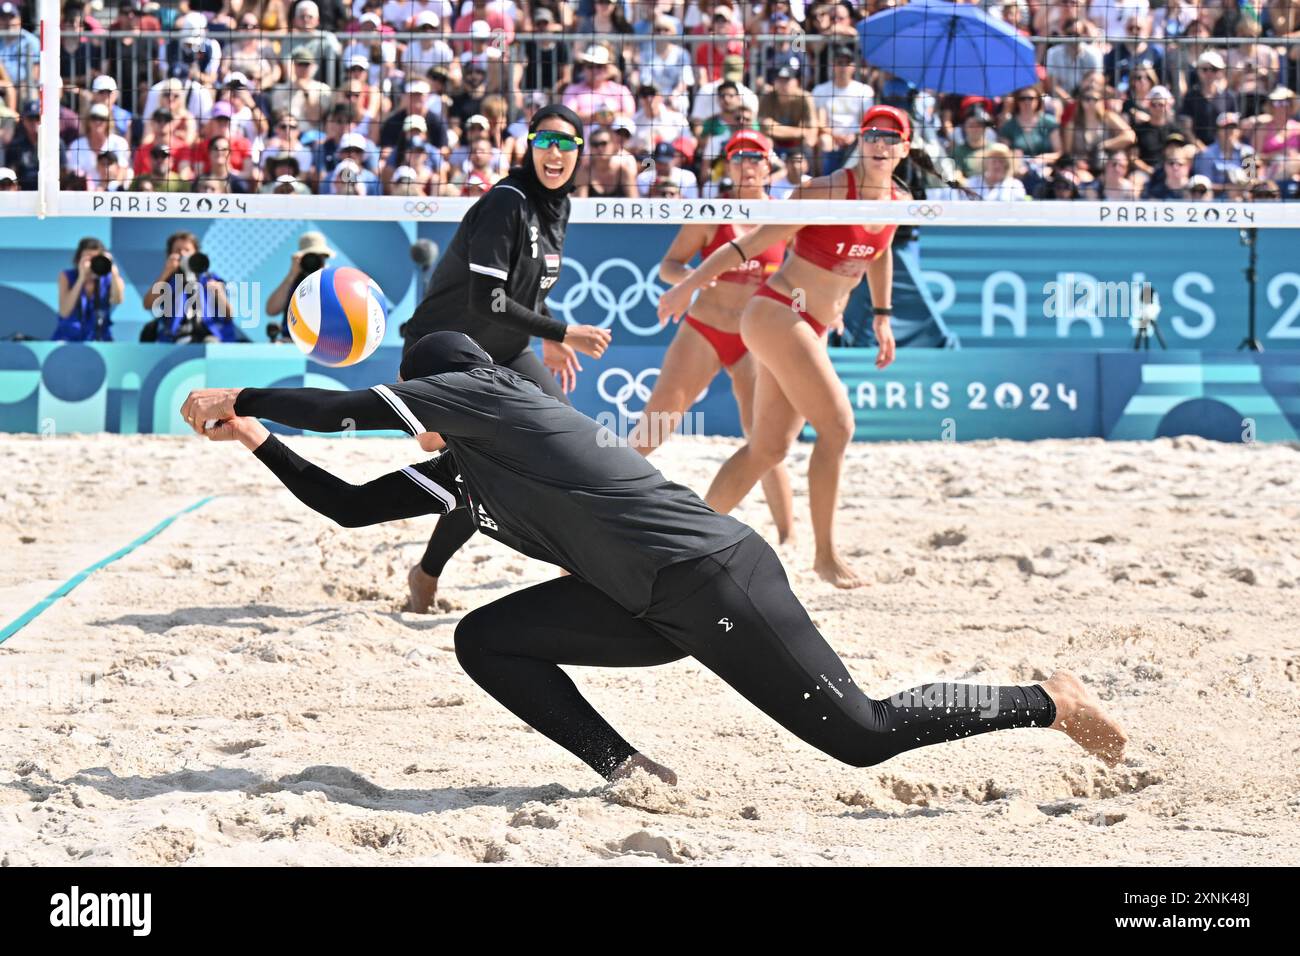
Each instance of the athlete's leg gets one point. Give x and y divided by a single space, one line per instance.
688 366
796 357
775 426
747 626
454 529
513 648
776 480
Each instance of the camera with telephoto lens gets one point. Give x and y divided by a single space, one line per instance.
101 265
311 262
196 264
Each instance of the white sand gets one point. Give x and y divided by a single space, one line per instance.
244 689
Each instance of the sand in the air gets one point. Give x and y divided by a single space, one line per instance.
245 690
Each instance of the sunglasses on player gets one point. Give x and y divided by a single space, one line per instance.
747 156
890 137
545 139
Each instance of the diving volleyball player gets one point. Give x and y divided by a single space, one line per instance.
655 574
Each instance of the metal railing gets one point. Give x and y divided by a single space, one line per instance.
142 59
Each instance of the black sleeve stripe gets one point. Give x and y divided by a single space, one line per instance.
432 487
413 424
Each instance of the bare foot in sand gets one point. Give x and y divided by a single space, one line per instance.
830 568
424 588
641 762
1081 715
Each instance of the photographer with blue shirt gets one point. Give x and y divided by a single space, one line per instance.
188 301
87 294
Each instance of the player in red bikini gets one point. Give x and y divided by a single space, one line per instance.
786 322
709 338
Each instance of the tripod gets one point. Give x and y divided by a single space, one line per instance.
1146 314
1142 340
1249 238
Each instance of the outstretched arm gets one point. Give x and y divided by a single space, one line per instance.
458 404
314 409
413 491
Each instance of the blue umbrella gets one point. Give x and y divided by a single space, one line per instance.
949 48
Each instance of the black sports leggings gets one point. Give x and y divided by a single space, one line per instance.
457 527
735 613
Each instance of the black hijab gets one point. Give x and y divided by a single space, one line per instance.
551 204
440 352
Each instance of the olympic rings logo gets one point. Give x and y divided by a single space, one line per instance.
925 210
642 286
421 208
631 387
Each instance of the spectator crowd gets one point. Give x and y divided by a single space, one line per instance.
1135 99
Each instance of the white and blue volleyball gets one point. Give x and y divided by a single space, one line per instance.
337 316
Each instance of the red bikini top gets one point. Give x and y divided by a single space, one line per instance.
844 250
753 272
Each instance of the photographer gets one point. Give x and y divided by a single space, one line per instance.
188 300
87 294
310 257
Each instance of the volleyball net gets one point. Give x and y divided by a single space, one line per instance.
1055 114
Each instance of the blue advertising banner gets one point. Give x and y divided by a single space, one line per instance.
1006 288
1074 288
926 395
955 396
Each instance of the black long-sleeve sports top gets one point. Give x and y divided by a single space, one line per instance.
537 474
428 487
492 281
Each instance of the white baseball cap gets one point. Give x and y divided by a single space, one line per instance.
427 18
415 121
404 173
480 29
103 84
357 60
352 141
192 22
7 173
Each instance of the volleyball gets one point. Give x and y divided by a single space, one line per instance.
337 316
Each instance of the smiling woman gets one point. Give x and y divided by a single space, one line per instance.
492 285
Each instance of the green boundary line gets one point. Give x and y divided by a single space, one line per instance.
16 625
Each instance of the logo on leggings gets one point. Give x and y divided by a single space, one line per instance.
726 624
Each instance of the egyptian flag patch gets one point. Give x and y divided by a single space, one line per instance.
552 264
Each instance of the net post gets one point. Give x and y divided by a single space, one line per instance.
47 173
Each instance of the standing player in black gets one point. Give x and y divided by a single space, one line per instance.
656 574
492 284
